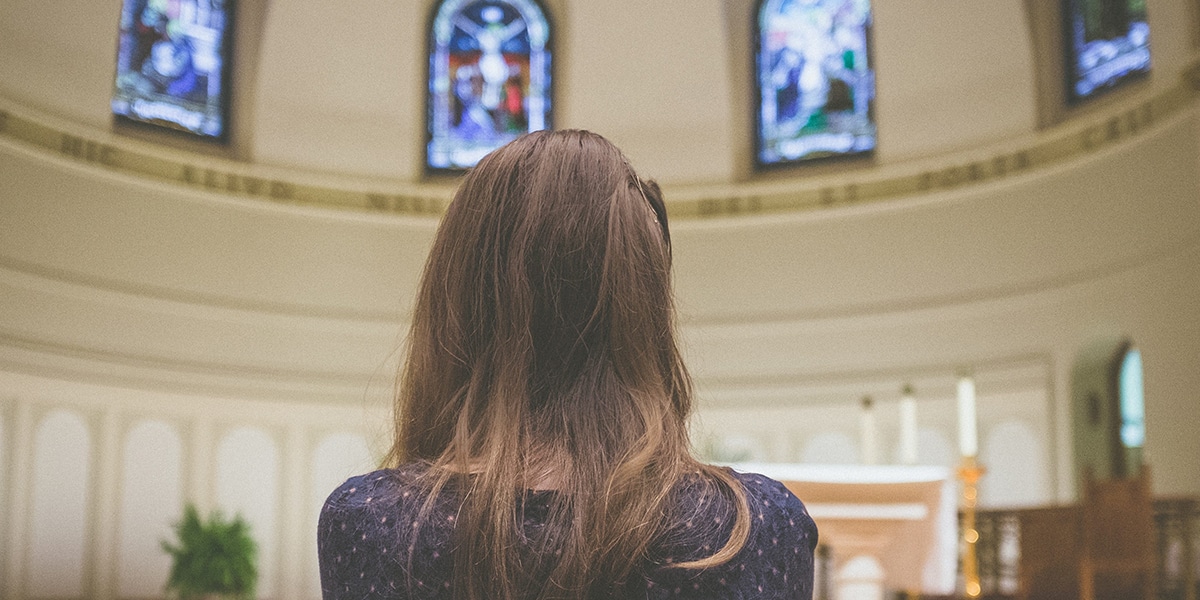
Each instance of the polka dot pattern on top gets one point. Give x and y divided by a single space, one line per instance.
372 545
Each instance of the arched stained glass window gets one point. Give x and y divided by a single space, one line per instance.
173 61
815 81
1108 43
489 78
1132 400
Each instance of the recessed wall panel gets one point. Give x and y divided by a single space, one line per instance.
59 516
151 502
336 457
247 481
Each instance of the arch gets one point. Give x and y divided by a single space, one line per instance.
934 448
1132 401
1016 461
1107 409
62 453
738 447
247 484
860 577
151 500
6 473
830 448
814 80
335 458
488 79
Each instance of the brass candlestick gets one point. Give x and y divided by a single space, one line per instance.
969 473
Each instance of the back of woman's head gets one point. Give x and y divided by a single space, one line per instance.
542 354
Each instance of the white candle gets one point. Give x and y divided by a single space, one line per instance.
908 428
867 422
968 435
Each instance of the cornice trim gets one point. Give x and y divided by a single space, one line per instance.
247 180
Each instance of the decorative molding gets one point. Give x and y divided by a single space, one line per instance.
1072 140
944 300
998 374
182 365
89 281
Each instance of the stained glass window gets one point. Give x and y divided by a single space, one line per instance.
815 81
172 65
1108 42
489 78
1133 406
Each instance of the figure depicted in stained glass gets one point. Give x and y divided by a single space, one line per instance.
815 84
1108 42
489 78
171 64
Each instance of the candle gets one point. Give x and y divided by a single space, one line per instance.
867 422
968 435
908 427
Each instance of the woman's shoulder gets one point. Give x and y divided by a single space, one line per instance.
777 516
770 494
777 513
384 486
366 524
776 560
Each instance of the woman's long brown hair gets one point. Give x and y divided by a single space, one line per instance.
543 354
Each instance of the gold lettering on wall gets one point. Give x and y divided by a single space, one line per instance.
251 185
952 176
827 196
281 190
86 150
851 193
709 207
924 181
399 203
1000 166
1132 119
70 145
1113 129
1191 76
232 183
1021 160
1093 133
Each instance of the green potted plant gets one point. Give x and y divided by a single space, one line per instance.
213 558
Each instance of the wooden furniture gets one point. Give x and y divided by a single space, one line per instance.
1100 549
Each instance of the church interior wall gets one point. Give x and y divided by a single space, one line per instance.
171 316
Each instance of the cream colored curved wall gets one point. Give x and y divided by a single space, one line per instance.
335 90
120 279
124 298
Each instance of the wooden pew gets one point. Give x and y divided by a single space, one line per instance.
1101 549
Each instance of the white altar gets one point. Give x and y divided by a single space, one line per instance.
890 527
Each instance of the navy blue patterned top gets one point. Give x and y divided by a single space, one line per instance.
367 527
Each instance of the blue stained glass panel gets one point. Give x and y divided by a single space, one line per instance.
489 78
816 85
1133 403
172 65
1108 42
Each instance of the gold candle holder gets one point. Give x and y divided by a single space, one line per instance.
969 473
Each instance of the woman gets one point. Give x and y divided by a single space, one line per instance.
541 447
